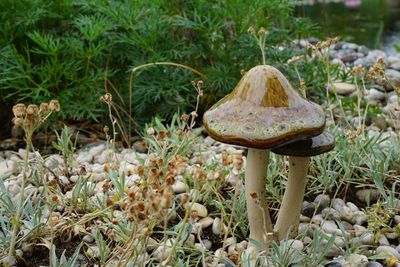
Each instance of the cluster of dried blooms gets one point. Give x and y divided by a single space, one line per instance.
261 32
296 59
377 71
31 116
107 98
321 46
150 200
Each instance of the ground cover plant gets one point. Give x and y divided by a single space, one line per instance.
176 197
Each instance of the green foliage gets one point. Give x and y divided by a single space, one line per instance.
76 50
63 261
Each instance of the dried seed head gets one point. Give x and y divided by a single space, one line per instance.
262 31
106 187
185 198
151 131
54 105
44 108
111 234
110 202
53 183
162 134
251 30
106 98
19 110
18 121
296 59
32 110
106 167
184 117
106 129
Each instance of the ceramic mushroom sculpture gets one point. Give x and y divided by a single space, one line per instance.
299 156
261 113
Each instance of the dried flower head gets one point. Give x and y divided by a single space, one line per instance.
107 98
296 59
32 110
106 129
358 70
262 31
377 71
184 117
44 108
18 121
54 105
19 110
54 198
151 131
251 30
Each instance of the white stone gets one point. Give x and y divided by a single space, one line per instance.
96 150
88 239
330 214
74 178
217 226
162 252
367 238
22 154
93 251
64 180
342 88
383 241
346 214
53 162
352 206
295 244
7 168
337 203
360 217
393 76
374 94
206 222
207 243
132 180
179 187
322 200
196 228
329 227
389 251
357 260
84 157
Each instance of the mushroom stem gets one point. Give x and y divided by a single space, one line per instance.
256 195
289 213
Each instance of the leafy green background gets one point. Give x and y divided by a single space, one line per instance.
73 50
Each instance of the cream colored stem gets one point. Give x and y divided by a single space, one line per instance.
256 196
289 213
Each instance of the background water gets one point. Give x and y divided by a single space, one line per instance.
374 23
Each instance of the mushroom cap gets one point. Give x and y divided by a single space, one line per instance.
308 147
263 111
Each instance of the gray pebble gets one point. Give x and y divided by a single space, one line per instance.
373 264
322 200
388 251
